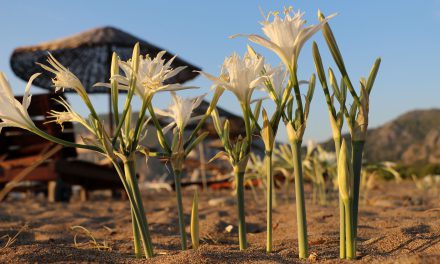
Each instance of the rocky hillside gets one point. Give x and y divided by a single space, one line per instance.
411 138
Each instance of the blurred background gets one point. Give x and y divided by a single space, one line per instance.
403 33
404 108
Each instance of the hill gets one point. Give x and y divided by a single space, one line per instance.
412 138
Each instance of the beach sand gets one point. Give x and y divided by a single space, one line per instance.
399 224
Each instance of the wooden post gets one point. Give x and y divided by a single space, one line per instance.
83 195
51 189
203 166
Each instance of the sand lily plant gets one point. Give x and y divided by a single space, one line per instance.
336 123
345 180
356 116
239 76
286 37
180 112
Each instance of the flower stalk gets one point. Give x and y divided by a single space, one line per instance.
285 37
336 122
301 219
345 180
295 131
239 178
140 225
180 112
268 139
177 182
239 76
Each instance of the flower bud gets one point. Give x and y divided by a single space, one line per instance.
267 133
344 175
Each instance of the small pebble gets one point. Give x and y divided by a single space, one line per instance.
229 228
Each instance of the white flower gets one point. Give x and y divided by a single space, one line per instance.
63 77
67 116
152 75
311 146
278 78
325 157
180 111
240 76
12 113
286 36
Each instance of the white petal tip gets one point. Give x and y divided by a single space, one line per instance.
236 36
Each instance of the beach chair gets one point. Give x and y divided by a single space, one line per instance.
21 149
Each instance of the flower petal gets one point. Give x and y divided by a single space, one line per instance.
270 45
27 97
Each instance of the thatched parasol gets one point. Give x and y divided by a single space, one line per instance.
88 55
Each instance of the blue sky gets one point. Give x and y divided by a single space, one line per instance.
406 34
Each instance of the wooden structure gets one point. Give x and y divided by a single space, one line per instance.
20 149
88 55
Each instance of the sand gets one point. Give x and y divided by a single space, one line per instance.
398 224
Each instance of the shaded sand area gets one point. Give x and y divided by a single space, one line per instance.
398 224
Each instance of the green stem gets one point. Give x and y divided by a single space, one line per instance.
300 202
357 150
139 124
294 80
132 200
247 124
137 206
349 230
177 182
240 208
127 104
136 236
269 195
158 128
342 225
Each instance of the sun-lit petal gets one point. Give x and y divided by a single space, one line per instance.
286 35
180 111
240 75
12 112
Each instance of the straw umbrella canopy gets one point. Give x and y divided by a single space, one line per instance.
88 55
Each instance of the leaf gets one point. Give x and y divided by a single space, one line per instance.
219 155
195 142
